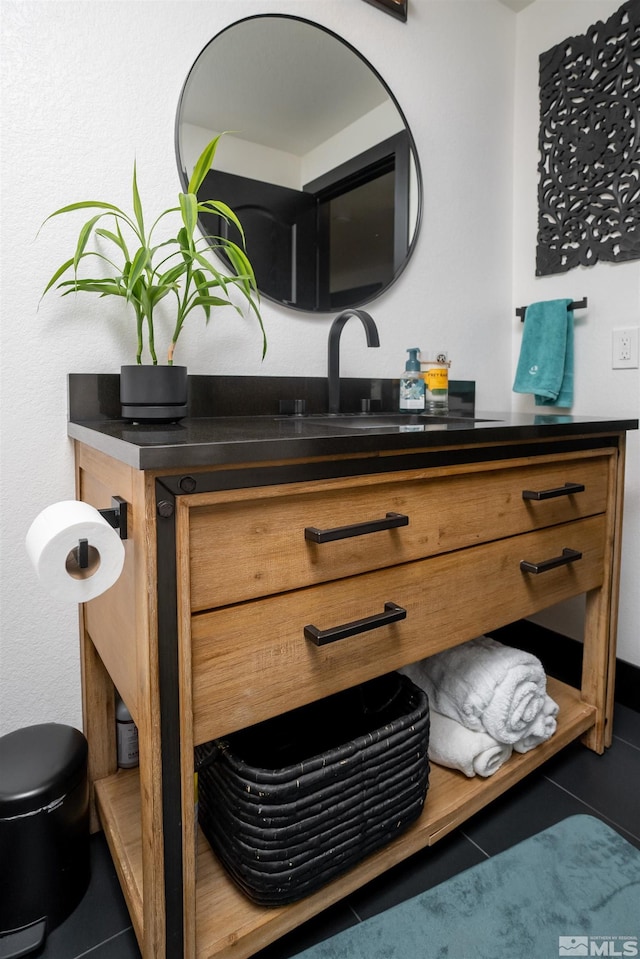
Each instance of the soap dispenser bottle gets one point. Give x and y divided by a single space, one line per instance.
412 384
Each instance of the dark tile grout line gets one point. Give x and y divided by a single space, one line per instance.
99 945
474 843
594 809
351 909
627 742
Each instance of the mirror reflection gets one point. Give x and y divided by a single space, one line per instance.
318 161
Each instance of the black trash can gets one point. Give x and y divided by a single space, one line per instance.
44 833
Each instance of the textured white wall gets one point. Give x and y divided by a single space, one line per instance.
613 291
89 85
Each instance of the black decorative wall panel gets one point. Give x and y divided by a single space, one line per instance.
589 141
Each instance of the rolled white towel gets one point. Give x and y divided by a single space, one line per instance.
453 745
543 728
484 685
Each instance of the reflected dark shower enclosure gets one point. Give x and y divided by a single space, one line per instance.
338 241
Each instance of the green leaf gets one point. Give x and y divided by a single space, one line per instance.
183 240
202 287
189 210
66 265
83 238
167 212
115 238
137 205
157 293
221 279
61 269
83 205
123 245
241 265
214 301
103 287
221 209
209 284
187 249
171 242
170 277
141 293
203 165
138 264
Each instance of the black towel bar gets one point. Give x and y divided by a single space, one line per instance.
577 305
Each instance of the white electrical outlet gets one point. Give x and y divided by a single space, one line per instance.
625 349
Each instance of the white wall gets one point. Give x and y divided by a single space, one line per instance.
89 85
612 289
256 161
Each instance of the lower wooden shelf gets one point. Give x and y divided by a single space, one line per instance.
228 924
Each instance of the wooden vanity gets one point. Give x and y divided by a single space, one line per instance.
204 632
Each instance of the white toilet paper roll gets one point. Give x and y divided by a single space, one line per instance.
52 544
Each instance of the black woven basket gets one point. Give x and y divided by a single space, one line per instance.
293 802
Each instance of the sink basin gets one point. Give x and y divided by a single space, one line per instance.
377 421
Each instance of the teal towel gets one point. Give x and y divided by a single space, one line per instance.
545 366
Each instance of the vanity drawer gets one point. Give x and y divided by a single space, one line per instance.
244 544
253 661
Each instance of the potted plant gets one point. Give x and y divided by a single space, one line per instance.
144 270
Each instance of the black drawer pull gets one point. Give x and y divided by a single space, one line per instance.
321 637
565 490
568 556
391 521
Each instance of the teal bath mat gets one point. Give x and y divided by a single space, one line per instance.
572 890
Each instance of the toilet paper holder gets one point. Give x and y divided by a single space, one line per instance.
116 517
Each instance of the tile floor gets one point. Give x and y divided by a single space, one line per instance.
574 781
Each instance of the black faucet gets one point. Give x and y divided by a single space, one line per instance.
333 366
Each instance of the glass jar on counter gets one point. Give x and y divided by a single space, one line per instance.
435 372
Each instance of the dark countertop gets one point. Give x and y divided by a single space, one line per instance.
257 432
209 441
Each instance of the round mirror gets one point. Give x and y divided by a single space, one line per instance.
317 162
